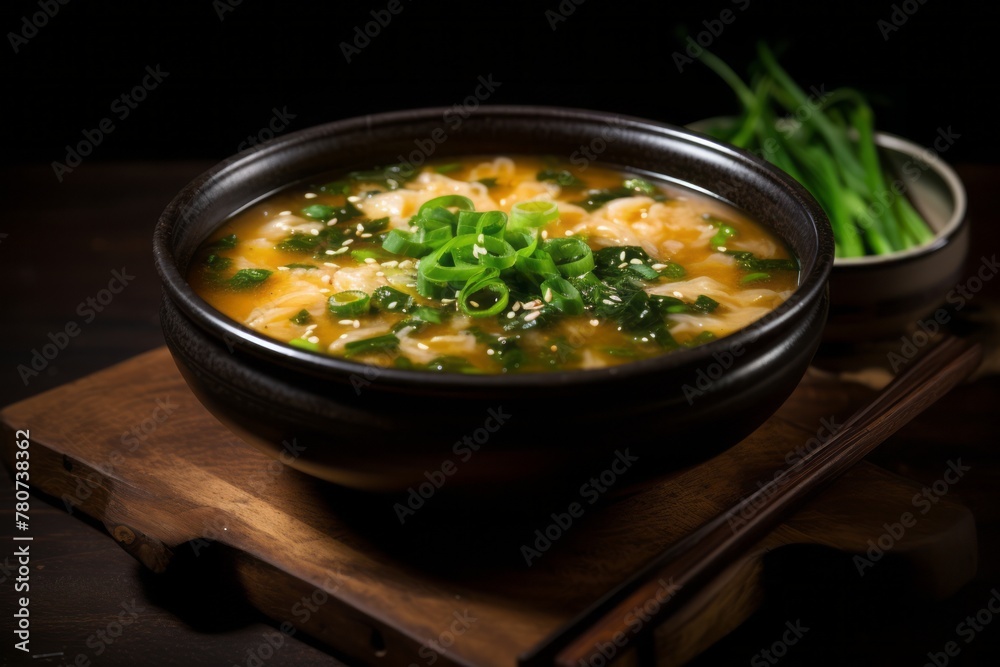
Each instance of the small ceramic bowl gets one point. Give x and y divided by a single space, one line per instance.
386 429
880 296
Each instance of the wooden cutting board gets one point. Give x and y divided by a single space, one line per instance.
133 448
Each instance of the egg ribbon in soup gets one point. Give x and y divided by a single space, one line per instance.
493 265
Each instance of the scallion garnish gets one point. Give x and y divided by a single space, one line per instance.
349 303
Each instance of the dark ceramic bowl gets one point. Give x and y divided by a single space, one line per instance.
389 429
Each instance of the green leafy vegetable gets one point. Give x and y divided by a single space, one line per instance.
248 278
827 143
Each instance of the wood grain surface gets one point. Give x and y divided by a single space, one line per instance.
381 589
62 243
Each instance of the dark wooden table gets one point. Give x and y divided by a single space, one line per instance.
60 246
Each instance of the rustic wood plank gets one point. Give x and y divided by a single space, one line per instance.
162 486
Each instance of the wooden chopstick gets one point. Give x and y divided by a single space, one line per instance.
694 561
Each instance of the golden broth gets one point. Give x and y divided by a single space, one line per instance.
311 258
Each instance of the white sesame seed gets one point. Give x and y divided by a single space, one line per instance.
357 324
658 267
360 227
645 340
285 213
548 295
336 266
346 322
623 265
490 352
310 195
545 233
353 198
391 264
314 232
366 235
569 232
313 339
511 315
678 294
422 346
331 223
380 273
607 302
392 304
405 264
347 242
635 260
594 323
343 335
615 297
622 256
331 252
283 268
447 301
371 260
473 304
531 316
721 248
516 307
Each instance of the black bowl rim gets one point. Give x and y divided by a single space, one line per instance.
811 287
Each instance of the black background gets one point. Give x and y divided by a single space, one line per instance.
228 73
228 70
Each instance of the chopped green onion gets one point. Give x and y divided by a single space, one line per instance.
561 294
304 344
535 213
471 296
349 303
